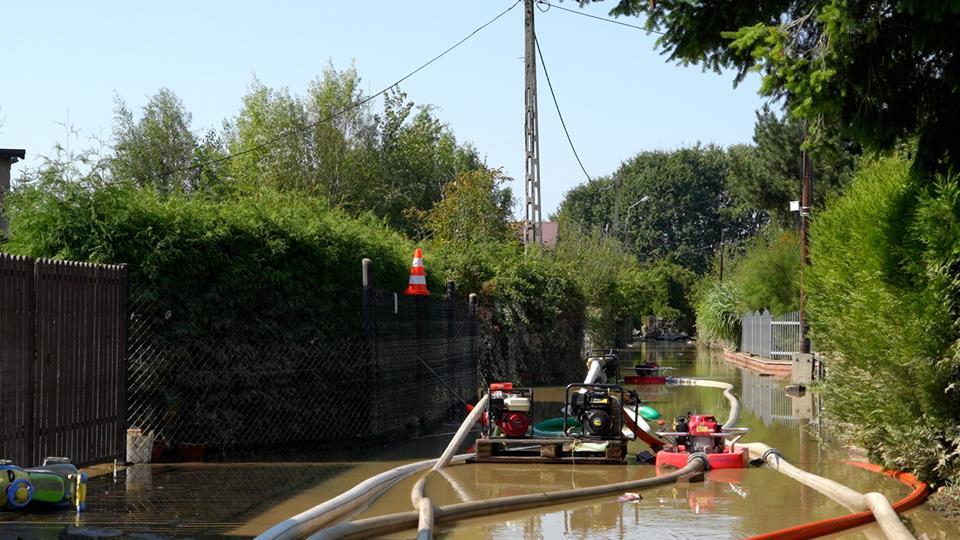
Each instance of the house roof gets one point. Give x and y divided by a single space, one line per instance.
12 154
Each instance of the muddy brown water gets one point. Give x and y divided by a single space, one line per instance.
242 500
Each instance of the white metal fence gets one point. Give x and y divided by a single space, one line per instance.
764 335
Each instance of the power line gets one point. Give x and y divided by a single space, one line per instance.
557 105
352 106
605 19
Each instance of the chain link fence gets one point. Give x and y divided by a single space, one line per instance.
426 359
551 355
392 364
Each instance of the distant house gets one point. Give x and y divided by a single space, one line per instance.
8 156
550 229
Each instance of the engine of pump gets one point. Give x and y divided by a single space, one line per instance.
597 412
509 409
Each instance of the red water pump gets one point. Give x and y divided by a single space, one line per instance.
508 409
701 428
702 433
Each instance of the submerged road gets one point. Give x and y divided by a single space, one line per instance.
241 500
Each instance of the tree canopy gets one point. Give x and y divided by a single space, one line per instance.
686 210
766 174
475 208
884 71
331 143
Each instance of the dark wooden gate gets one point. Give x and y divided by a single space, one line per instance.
62 360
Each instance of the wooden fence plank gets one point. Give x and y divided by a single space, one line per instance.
62 360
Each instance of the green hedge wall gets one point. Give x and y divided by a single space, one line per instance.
884 304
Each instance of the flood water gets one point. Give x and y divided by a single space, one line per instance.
242 500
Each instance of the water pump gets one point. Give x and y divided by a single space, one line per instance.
701 439
598 408
508 410
698 433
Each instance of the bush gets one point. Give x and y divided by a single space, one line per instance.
532 311
718 314
260 265
765 276
884 295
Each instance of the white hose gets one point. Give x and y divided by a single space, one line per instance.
876 503
595 366
422 504
346 503
380 525
462 433
734 415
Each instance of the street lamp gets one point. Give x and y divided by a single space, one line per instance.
626 223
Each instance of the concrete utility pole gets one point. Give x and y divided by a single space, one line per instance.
806 200
533 224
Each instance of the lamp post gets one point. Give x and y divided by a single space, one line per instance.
626 222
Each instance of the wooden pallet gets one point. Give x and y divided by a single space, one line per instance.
552 450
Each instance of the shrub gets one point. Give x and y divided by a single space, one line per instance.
767 276
254 266
532 311
718 314
883 301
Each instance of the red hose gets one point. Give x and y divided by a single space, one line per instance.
654 443
815 529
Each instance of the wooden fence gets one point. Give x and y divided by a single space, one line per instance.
62 360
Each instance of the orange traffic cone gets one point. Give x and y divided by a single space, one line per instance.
418 276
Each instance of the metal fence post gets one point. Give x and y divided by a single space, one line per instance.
744 331
448 346
765 333
474 342
370 352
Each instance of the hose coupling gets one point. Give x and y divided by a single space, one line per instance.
702 456
772 452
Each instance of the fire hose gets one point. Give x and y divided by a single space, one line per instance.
875 503
365 528
425 515
849 521
734 415
347 503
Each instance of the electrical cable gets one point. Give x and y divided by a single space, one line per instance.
614 21
557 105
352 106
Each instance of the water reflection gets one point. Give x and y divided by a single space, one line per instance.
245 499
727 503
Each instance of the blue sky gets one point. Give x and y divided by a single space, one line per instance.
617 93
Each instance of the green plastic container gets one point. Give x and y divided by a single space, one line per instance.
649 413
554 427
